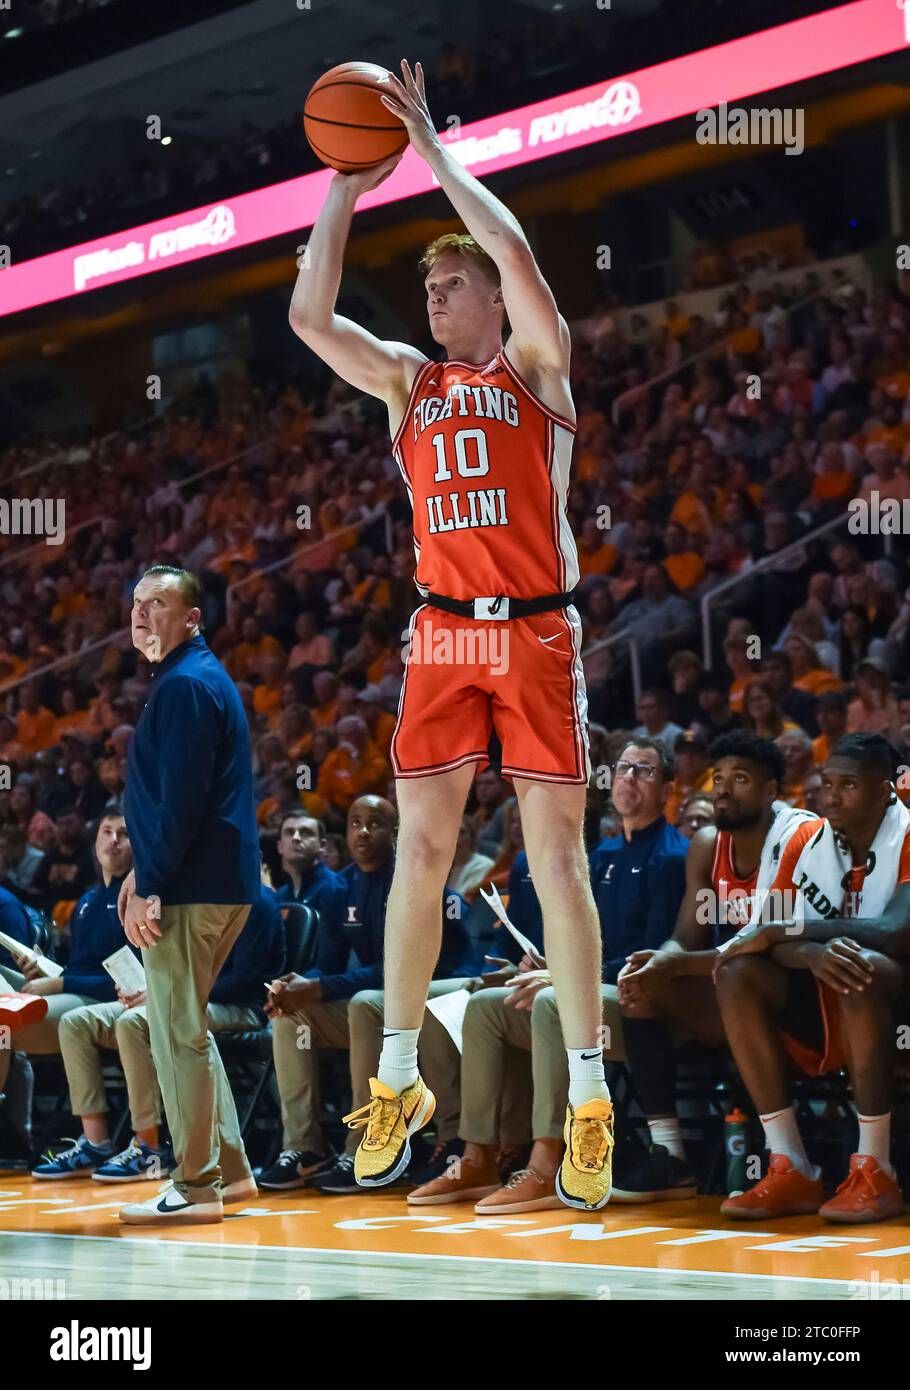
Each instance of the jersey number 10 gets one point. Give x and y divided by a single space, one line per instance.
479 469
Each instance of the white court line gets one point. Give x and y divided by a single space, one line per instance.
426 1255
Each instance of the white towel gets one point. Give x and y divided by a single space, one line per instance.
786 820
821 871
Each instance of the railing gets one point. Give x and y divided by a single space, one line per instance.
626 635
230 592
768 562
70 659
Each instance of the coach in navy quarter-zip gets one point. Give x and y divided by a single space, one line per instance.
192 824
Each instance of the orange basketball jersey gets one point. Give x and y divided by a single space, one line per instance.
486 465
734 895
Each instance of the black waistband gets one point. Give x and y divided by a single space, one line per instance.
518 607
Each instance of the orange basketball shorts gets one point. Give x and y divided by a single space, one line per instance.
465 677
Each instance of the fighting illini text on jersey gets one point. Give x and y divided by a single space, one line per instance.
486 466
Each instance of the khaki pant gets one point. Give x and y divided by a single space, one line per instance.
83 1034
38 1038
493 1032
180 970
355 1025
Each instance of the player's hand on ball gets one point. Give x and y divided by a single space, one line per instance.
409 103
368 179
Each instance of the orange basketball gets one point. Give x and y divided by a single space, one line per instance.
345 122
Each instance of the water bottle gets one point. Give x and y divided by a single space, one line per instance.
736 1126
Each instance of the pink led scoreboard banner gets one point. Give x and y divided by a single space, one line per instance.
729 72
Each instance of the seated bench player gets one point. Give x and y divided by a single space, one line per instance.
828 988
340 1004
95 933
667 995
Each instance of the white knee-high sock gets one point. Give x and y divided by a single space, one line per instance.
875 1139
398 1059
783 1136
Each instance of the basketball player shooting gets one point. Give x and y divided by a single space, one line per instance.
483 440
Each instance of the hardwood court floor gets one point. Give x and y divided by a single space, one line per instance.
300 1245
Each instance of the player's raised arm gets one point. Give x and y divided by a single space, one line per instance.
539 332
383 369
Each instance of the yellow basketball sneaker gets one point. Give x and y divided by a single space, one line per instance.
586 1175
385 1150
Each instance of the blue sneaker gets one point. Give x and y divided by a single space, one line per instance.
138 1160
78 1162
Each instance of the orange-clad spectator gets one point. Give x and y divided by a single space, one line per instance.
833 483
683 564
267 695
373 592
240 546
894 380
676 322
324 710
595 554
379 721
355 768
312 648
693 773
884 478
890 431
874 711
288 694
332 525
247 657
831 714
292 421
794 394
73 720
369 655
12 667
808 674
743 339
627 578
101 709
591 445
68 600
34 722
739 480
694 506
295 728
